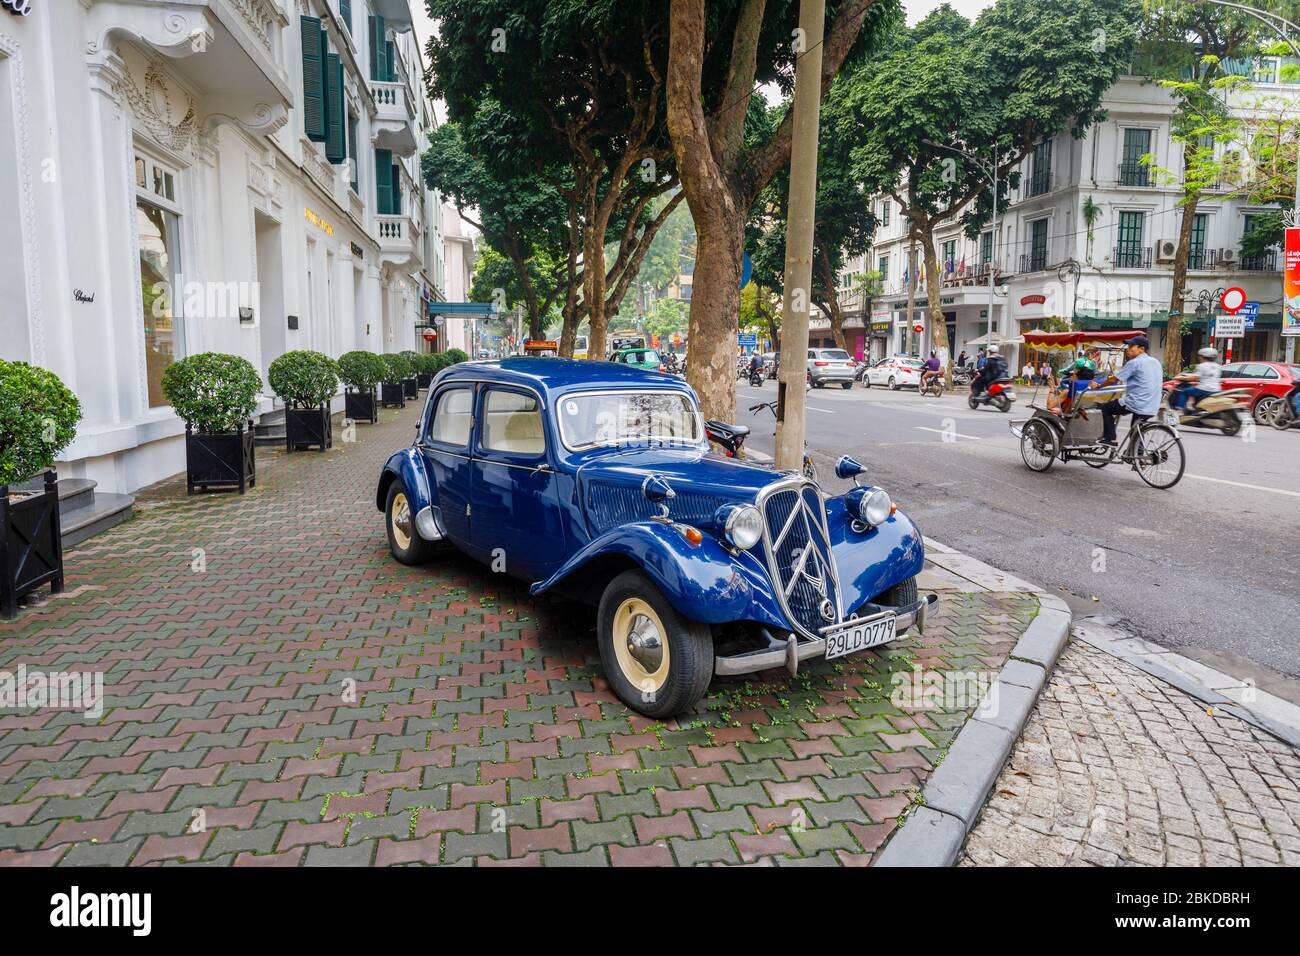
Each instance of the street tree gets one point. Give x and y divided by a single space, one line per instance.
1024 72
719 53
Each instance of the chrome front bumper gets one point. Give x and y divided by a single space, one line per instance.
790 652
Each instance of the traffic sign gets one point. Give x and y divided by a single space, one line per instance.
918 328
1233 299
1230 327
748 339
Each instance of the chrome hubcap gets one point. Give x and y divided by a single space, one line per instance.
645 644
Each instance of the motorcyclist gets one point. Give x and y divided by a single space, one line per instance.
932 368
755 365
1204 381
995 367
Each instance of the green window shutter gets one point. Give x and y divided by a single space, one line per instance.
313 79
352 154
378 49
390 62
345 12
397 190
335 142
383 182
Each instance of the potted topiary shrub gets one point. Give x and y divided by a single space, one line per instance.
305 381
392 393
456 356
411 384
361 372
215 394
426 366
38 419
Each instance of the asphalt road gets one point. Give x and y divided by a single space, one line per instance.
1209 567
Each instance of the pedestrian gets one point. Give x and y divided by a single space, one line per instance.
1143 377
961 359
1027 374
981 361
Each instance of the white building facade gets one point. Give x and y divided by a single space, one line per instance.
186 176
1118 273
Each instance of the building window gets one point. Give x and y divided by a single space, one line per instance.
1132 171
1129 253
1196 250
884 212
882 266
1266 70
986 246
948 261
1040 180
158 268
1038 245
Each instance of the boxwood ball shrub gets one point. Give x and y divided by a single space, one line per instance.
425 364
398 368
38 419
213 392
413 358
362 370
440 361
456 356
304 378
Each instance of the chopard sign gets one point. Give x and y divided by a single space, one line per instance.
19 8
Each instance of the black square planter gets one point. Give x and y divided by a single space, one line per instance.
361 406
31 544
308 428
223 460
392 395
412 387
424 378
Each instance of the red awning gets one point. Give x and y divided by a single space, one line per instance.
1072 340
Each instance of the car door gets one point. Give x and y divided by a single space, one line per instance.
517 527
446 448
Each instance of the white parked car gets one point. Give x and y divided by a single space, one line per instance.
830 366
897 372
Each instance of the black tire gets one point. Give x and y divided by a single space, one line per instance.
403 540
1039 445
973 402
1002 403
866 382
900 595
1164 438
846 385
1284 417
1230 424
1266 408
893 384
689 646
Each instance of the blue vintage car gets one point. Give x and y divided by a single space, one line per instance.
595 481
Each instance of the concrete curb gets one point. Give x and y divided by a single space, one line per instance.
953 797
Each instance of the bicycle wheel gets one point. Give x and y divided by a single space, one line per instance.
1158 456
1039 445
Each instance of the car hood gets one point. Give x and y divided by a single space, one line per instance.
610 485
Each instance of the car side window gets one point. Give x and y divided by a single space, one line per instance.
1230 371
453 417
512 423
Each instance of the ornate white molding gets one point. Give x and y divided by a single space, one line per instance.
10 50
153 109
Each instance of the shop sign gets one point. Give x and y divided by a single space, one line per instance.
357 250
318 222
1291 283
1033 299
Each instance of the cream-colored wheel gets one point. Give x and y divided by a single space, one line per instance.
641 645
402 521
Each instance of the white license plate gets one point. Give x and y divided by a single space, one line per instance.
1171 417
859 635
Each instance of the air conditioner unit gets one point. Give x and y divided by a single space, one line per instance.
1228 255
1166 251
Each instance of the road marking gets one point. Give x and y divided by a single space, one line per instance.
944 431
1242 484
828 411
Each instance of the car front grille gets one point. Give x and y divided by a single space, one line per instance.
799 555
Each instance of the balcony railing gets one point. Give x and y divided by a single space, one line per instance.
1202 258
1262 263
1131 257
1033 261
1134 174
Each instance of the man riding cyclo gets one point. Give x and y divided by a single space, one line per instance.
1143 378
932 368
1205 380
995 367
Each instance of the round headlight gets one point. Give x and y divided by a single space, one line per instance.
743 526
876 508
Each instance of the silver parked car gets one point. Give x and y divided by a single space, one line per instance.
830 366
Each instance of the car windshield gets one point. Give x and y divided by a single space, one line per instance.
838 355
628 418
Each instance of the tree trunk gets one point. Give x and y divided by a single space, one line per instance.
1173 362
831 299
934 294
571 319
715 312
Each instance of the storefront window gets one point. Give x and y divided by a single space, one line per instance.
157 231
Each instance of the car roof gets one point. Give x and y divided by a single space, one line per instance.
560 374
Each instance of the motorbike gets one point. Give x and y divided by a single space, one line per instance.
1224 411
962 375
756 378
1000 395
1288 413
732 438
933 386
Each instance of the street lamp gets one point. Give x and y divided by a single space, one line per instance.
991 174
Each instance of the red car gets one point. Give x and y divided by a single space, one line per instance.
1268 381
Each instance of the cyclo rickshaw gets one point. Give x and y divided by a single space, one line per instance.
1068 426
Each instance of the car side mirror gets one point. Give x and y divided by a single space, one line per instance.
848 467
657 491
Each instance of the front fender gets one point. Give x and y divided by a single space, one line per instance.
873 561
703 582
406 466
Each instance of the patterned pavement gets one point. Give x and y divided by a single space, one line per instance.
279 691
1116 767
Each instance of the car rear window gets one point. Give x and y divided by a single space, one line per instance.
838 355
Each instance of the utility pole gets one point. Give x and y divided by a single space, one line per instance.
799 236
911 295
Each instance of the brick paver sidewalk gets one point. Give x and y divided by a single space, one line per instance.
280 691
1118 767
